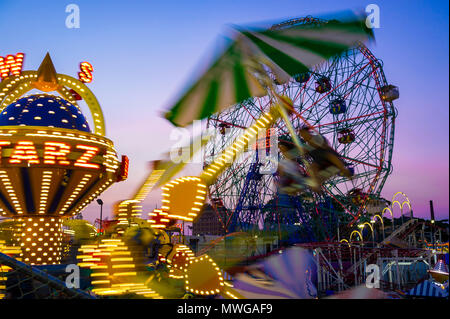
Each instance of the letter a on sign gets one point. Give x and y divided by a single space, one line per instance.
73 19
73 279
373 16
373 279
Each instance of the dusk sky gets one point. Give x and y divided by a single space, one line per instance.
143 53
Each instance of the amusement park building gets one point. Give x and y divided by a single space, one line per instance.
208 223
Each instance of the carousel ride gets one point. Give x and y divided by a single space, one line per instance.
52 163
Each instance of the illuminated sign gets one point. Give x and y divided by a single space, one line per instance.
24 151
11 65
86 72
54 153
123 173
89 153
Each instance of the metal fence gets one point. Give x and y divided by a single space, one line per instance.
21 281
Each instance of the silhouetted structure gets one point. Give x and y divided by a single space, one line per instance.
209 223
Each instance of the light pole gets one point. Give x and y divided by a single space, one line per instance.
432 222
100 202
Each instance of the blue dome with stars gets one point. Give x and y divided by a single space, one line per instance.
44 110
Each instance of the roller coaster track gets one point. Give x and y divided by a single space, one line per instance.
394 238
397 235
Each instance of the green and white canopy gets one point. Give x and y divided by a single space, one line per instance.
239 73
228 81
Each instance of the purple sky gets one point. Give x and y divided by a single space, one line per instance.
143 53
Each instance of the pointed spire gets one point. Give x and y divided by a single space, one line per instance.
439 272
441 267
47 79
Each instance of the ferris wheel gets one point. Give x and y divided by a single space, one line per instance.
348 101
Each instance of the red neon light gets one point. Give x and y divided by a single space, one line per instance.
11 65
123 168
75 95
90 152
24 151
180 226
86 72
56 152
